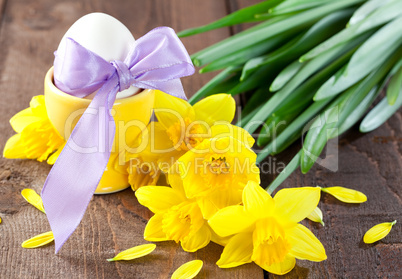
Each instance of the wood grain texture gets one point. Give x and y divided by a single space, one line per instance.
29 33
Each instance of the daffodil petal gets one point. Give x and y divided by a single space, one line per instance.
231 220
176 183
214 108
222 241
134 253
207 207
170 110
33 198
345 194
217 200
316 216
14 149
142 173
225 129
257 201
52 158
153 230
22 119
281 268
305 246
295 204
38 106
197 241
38 241
378 232
188 270
157 140
238 251
157 198
167 160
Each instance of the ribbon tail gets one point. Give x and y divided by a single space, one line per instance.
74 177
172 87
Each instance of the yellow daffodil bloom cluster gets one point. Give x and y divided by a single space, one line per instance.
214 192
178 128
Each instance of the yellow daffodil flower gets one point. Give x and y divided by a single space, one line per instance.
216 171
316 216
33 198
266 230
188 270
180 127
134 253
345 194
38 241
36 138
176 217
378 232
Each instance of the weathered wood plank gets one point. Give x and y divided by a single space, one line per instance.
30 32
2 6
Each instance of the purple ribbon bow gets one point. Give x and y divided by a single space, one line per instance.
157 61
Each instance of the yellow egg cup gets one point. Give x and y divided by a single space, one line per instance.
131 115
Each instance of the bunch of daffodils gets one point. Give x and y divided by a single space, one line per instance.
214 193
178 128
207 178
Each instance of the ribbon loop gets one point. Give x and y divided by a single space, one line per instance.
124 74
157 61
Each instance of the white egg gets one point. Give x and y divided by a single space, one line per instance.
105 36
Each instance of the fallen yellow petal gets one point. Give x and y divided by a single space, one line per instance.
0 220
33 198
316 216
378 232
135 252
38 241
345 194
188 270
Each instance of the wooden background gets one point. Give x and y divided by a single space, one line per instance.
31 31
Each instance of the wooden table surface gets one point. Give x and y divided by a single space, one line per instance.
372 163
